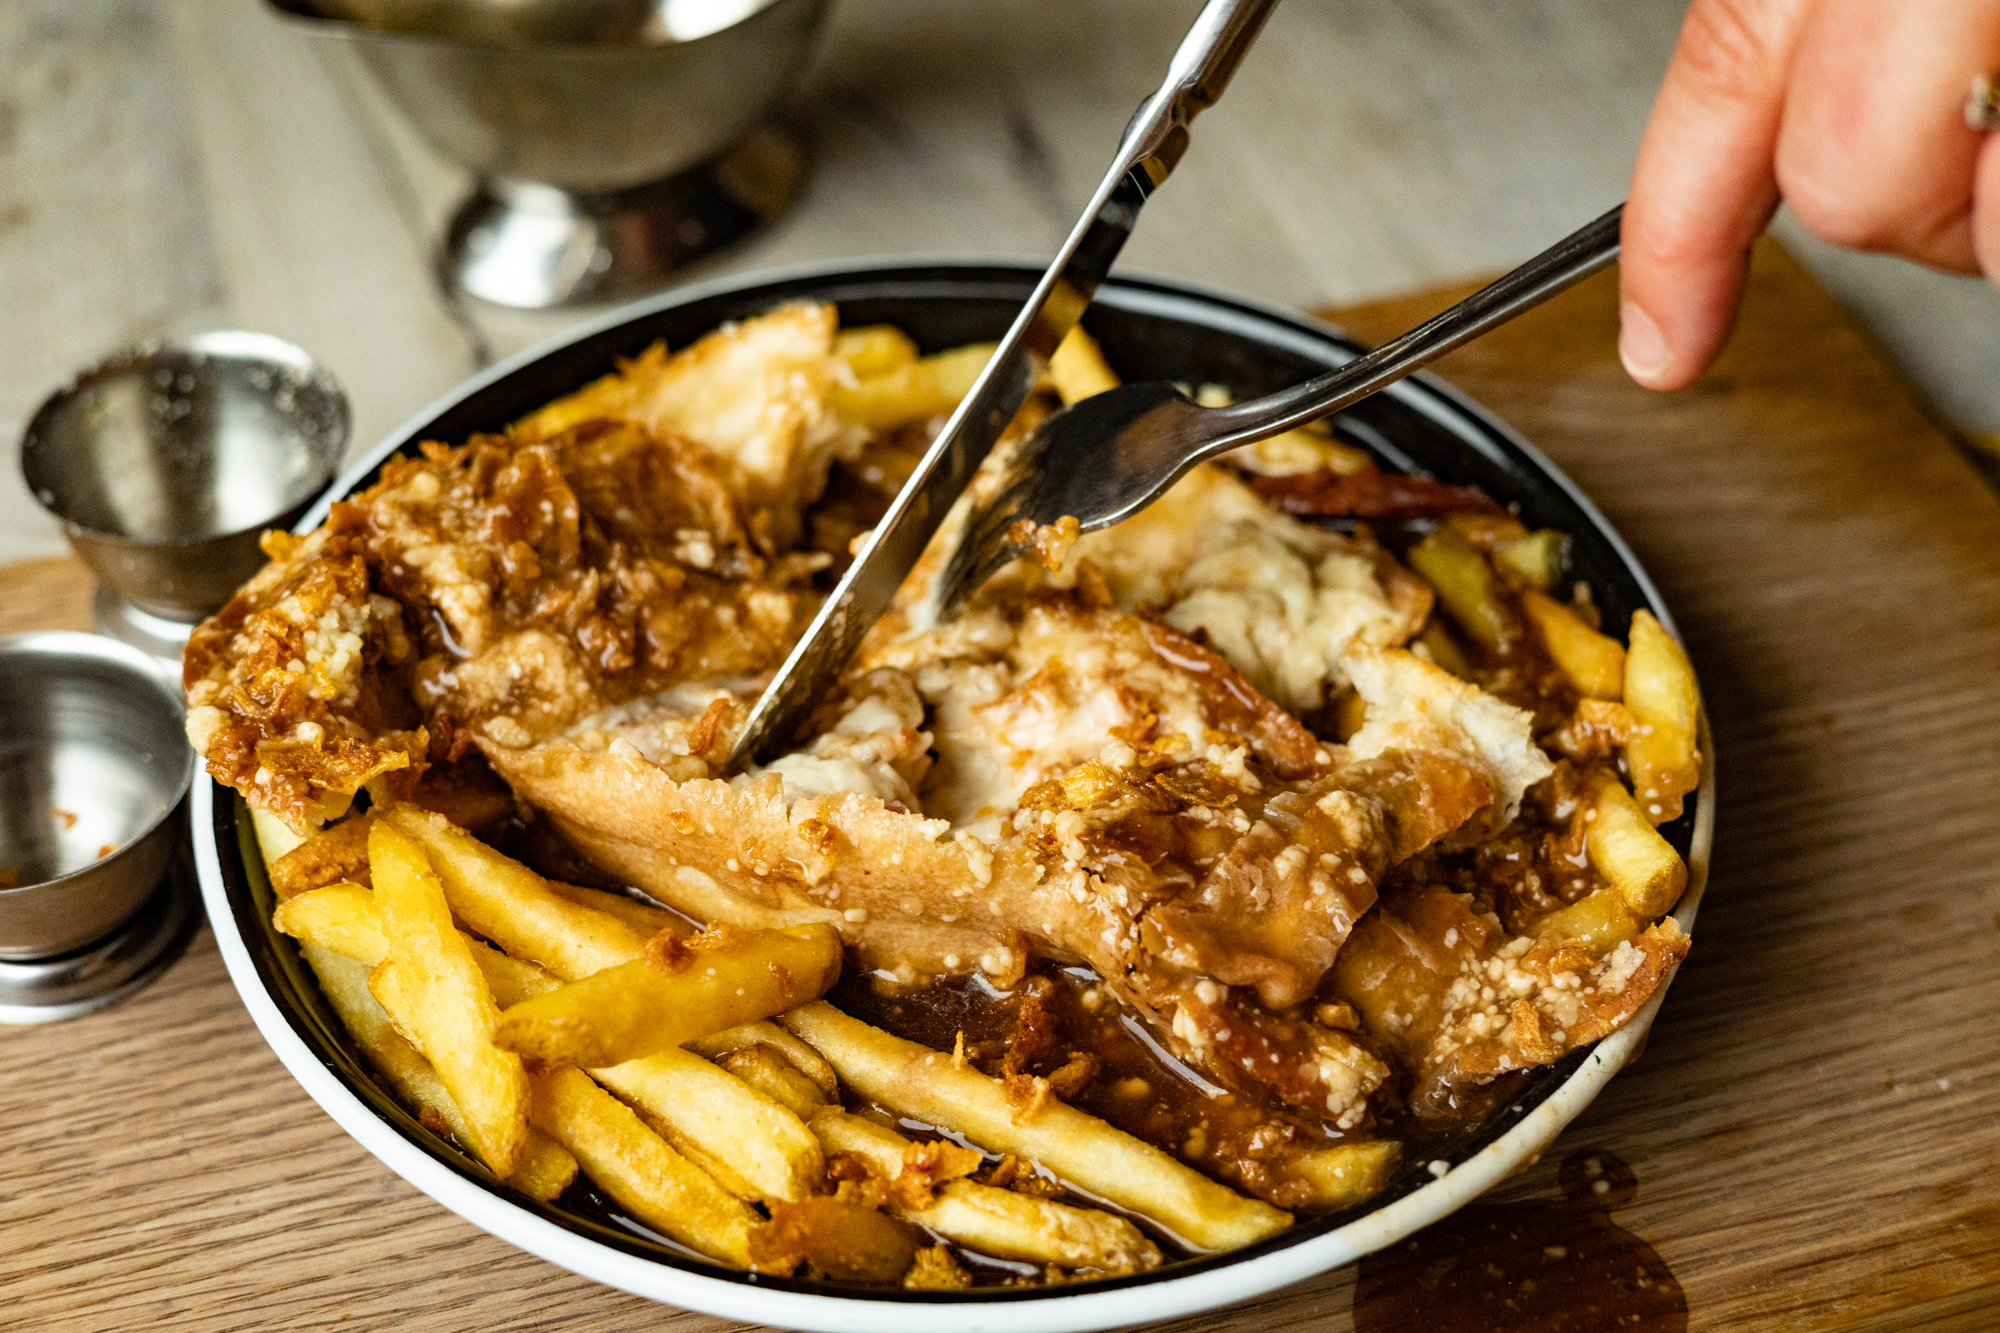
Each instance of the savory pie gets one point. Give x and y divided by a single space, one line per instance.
1263 823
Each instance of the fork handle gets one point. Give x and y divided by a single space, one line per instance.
1562 265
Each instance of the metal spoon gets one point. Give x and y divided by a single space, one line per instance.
1104 459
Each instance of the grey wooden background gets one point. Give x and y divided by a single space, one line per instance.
171 164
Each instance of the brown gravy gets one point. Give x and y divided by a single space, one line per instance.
1134 1083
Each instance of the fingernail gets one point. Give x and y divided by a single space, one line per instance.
1641 345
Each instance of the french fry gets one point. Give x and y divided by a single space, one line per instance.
1040 1231
344 983
764 1033
1487 532
531 917
873 350
645 918
771 1074
721 978
438 999
752 1145
1539 558
498 897
343 918
1593 662
638 1168
910 1167
924 1084
913 392
1346 1173
401 993
546 1167
1078 369
274 836
1601 919
991 1220
1629 852
1660 690
337 917
1466 585
1443 649
511 980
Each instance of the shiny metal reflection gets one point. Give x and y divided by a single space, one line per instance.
104 973
533 246
165 463
506 22
93 765
614 143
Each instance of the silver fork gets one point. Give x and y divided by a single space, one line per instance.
1106 458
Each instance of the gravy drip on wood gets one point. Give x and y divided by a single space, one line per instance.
1534 1267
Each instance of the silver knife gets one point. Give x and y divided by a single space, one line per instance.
1153 144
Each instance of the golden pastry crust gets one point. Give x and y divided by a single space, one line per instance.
1192 758
1140 808
507 587
295 688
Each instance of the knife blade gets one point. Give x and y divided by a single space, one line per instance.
1152 145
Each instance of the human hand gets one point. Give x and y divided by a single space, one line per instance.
1850 111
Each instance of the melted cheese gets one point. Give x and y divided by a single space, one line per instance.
1070 682
1281 600
1280 617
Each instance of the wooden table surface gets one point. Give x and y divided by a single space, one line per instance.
1812 1123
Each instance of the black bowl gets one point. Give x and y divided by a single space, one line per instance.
1148 329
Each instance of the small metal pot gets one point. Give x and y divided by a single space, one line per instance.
166 463
614 142
93 766
584 116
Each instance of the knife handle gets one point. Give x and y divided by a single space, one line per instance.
1211 51
1202 66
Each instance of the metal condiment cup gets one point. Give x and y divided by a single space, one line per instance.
93 765
165 463
614 142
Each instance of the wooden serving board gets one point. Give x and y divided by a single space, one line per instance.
1812 1125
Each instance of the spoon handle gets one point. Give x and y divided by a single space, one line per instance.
1562 265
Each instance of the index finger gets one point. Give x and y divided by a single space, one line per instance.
1704 186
